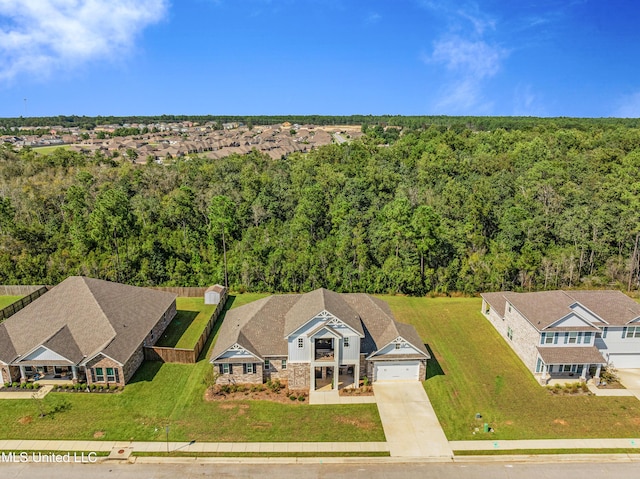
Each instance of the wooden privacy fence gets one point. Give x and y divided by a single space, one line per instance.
32 292
182 292
187 356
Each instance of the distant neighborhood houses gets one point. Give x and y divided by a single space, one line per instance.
172 140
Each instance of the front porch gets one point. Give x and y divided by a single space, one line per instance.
54 375
569 364
324 379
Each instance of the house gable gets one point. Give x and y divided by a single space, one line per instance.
327 319
398 347
571 320
236 352
43 353
587 314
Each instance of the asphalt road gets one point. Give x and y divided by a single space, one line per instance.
312 471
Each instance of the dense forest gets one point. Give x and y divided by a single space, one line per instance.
417 210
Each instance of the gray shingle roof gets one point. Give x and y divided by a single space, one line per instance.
573 355
262 326
546 307
94 314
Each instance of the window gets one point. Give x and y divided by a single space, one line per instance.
539 365
587 338
397 345
99 375
487 308
510 333
346 342
284 364
225 368
509 308
549 339
111 375
267 365
632 332
573 337
566 368
249 368
301 343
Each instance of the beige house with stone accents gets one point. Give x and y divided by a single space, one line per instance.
568 333
84 329
317 340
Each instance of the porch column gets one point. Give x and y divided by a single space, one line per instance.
23 375
596 379
545 369
356 375
74 374
583 375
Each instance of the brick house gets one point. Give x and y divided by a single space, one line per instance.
84 329
318 340
568 333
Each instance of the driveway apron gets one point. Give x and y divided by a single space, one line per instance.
409 421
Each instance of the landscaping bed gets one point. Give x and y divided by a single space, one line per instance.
271 391
361 391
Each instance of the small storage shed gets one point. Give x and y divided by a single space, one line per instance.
214 294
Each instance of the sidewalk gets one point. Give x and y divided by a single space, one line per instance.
197 447
27 393
545 444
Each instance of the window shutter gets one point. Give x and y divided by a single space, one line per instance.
624 332
542 338
244 369
117 371
93 375
604 332
220 368
579 338
230 368
566 338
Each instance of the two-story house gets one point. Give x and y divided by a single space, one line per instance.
317 340
574 333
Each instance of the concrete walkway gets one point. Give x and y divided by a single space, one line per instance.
409 421
630 379
333 397
197 447
546 444
27 393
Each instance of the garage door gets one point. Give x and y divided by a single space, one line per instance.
625 361
396 370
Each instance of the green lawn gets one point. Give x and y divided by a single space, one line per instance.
188 324
45 150
477 372
7 300
173 394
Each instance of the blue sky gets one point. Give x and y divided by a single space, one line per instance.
331 57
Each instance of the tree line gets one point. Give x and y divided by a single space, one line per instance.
412 211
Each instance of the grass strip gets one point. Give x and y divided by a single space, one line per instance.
538 452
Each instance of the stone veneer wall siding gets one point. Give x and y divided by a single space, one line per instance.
103 362
422 374
299 375
275 370
525 337
237 375
6 377
363 367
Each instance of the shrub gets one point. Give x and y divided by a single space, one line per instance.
15 385
301 397
7 385
293 397
365 381
113 387
93 387
29 386
23 385
275 386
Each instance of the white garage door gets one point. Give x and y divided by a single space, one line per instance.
625 361
396 370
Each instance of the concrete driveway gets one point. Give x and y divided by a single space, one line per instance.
630 379
409 421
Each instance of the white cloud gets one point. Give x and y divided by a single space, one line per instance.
470 64
628 106
373 18
41 36
471 58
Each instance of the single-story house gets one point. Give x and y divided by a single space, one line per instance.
84 329
318 340
568 333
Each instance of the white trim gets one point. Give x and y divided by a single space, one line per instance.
331 320
22 358
236 347
399 339
84 363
